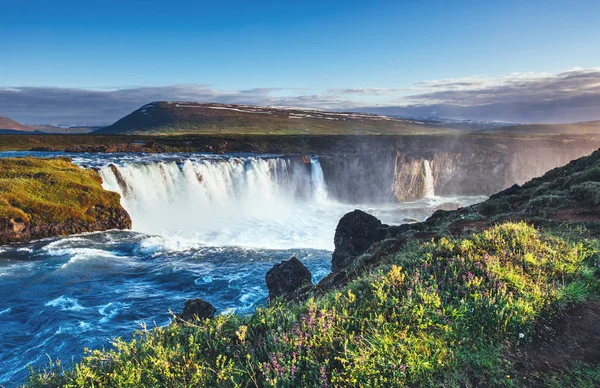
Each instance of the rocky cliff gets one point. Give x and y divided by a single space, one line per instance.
422 167
52 197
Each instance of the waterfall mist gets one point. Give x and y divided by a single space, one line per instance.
252 201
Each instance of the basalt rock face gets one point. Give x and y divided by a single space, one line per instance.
19 230
288 279
409 177
197 309
365 177
484 172
457 167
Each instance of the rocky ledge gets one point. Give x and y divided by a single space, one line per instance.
42 198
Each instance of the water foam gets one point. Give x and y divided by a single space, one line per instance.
65 304
111 310
273 203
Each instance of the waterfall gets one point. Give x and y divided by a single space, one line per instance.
428 187
318 180
248 201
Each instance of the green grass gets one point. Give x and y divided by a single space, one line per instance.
440 314
50 191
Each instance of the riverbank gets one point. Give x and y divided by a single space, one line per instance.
54 197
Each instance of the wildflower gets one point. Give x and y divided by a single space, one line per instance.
241 333
521 335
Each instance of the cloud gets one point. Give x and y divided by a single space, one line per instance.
534 98
569 96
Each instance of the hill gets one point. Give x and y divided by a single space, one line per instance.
583 128
10 126
209 118
474 297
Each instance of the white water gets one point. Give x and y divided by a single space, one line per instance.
252 202
428 191
318 180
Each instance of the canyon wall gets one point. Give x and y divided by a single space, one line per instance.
469 167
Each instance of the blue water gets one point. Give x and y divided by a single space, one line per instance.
204 226
61 296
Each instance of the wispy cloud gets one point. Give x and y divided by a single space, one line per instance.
573 95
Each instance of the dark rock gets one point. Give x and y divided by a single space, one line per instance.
120 179
514 189
354 234
288 279
197 309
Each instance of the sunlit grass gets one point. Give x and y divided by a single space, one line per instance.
436 314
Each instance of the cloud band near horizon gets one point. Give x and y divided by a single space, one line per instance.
569 96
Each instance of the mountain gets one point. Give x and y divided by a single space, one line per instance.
211 118
11 126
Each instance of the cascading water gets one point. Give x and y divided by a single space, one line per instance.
318 180
428 187
253 202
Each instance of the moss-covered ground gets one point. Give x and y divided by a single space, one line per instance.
48 192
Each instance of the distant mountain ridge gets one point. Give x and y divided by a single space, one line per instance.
210 118
9 125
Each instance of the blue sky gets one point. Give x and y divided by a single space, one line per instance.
294 49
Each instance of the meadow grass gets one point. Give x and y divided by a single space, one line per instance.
53 189
442 313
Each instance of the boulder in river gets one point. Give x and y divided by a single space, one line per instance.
288 279
355 233
197 309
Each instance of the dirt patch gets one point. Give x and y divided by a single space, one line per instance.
572 336
577 214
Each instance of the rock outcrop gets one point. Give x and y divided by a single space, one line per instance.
409 178
288 279
42 198
195 309
355 233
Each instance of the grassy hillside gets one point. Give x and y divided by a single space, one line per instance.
590 127
189 117
445 313
496 302
48 197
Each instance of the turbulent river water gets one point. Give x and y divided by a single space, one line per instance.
203 226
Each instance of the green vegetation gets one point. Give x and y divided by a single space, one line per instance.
34 189
52 196
449 313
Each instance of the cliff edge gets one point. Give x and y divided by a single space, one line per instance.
42 198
